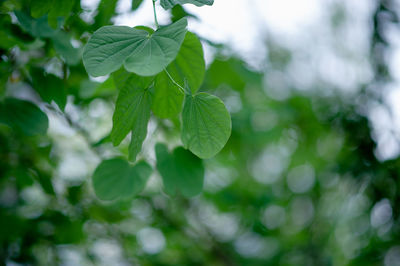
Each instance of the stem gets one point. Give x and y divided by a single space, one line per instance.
155 13
173 81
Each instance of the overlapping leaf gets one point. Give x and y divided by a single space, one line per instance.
116 179
141 52
181 171
132 113
206 124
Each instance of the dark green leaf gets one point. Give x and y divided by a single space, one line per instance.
40 7
206 124
182 172
24 116
136 4
116 179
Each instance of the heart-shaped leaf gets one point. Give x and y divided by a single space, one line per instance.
116 179
167 4
144 53
206 124
182 172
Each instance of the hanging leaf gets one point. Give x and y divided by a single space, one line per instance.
116 179
132 113
206 124
167 4
146 54
182 172
24 116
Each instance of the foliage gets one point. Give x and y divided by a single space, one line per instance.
283 182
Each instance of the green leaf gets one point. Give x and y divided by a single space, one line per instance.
158 51
182 172
167 98
50 88
189 63
40 7
60 10
35 27
144 54
167 4
24 116
206 124
116 179
132 113
62 44
136 4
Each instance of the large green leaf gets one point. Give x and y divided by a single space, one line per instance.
182 172
167 4
116 179
206 124
189 64
144 53
132 113
24 116
159 50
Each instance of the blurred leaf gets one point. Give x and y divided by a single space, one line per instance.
106 11
167 4
50 88
35 27
136 4
182 172
63 46
61 9
40 8
179 12
116 179
24 116
206 124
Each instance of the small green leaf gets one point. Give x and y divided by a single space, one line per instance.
116 179
167 4
24 116
158 51
132 113
189 65
136 4
182 172
206 124
144 54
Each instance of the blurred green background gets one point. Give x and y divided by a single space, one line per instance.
310 175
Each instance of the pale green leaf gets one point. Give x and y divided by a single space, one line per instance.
182 172
132 113
167 4
116 179
206 124
24 116
158 51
